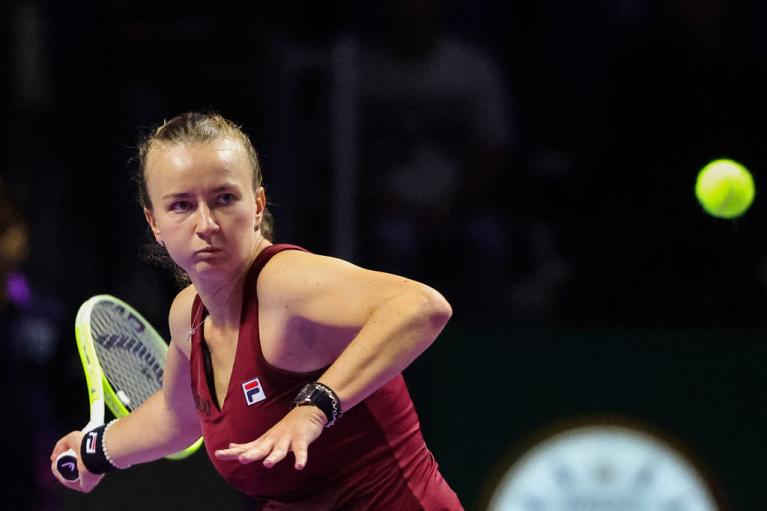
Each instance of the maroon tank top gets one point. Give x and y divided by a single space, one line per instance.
373 458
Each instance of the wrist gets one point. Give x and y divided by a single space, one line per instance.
314 413
322 397
104 443
93 452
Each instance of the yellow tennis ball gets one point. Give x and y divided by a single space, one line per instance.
725 188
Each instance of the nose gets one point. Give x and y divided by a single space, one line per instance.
206 223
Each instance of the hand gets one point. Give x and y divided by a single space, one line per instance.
299 428
87 480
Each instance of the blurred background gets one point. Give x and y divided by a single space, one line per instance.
533 160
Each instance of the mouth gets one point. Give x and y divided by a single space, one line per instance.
207 252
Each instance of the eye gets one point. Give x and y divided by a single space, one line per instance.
226 198
181 206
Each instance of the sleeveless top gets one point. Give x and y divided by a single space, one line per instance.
373 458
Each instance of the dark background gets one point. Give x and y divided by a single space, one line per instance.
549 150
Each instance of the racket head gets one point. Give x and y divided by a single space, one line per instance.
129 351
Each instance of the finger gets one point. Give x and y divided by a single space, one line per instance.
65 443
229 454
89 481
301 452
56 474
61 446
278 453
274 457
234 450
260 451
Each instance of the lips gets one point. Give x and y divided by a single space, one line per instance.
207 252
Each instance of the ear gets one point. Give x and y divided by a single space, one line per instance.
150 219
260 205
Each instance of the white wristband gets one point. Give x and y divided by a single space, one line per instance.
104 446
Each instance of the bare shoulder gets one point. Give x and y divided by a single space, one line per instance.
328 289
296 274
179 317
298 265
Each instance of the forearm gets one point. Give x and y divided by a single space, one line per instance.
396 333
152 431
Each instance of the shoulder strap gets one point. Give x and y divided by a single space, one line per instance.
266 254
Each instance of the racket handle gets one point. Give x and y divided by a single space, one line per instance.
66 464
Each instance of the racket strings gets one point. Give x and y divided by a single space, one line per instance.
131 357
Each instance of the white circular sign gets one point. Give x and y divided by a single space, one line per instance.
602 468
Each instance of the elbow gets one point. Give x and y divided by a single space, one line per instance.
441 311
436 310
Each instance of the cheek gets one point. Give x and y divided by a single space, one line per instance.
244 222
172 228
163 224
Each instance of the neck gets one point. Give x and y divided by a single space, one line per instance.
223 297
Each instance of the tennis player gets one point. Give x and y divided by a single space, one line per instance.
287 362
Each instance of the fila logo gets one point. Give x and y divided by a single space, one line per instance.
90 443
253 391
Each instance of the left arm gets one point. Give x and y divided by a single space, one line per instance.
395 320
395 333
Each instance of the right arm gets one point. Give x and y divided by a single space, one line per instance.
165 423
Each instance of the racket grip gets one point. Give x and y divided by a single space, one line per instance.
66 464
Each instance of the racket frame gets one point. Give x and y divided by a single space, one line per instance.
94 377
108 394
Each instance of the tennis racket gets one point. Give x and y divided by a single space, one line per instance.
123 357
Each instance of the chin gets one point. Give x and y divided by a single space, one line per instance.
206 267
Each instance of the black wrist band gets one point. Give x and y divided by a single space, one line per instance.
92 452
322 397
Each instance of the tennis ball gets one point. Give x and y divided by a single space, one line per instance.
725 188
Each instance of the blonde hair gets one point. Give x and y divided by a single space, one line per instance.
188 128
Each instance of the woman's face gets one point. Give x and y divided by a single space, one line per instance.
204 208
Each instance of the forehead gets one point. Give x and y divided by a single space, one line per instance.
217 158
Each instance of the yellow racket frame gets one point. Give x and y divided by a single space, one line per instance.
98 395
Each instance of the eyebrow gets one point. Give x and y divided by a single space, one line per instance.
218 189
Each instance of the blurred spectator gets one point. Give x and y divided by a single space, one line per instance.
29 330
434 140
559 54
